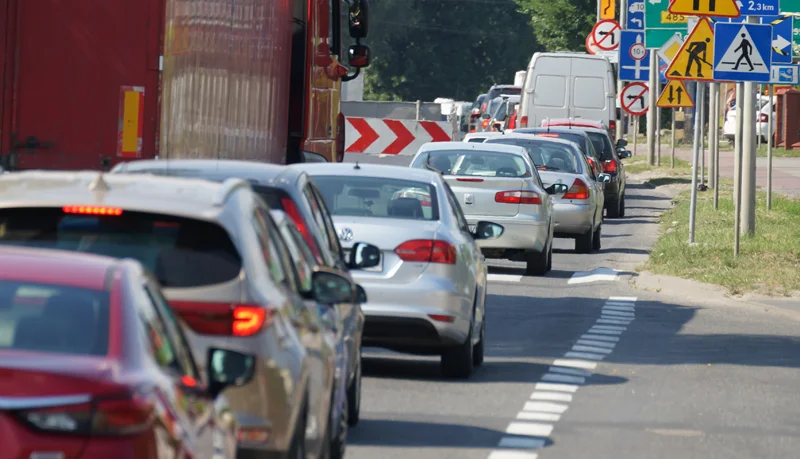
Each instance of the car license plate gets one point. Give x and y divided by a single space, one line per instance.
472 228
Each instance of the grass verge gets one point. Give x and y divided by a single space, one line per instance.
777 152
638 164
768 262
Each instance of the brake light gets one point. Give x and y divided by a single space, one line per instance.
442 318
610 165
578 190
591 162
523 122
469 179
125 415
762 117
517 197
612 124
92 210
294 213
512 122
427 251
548 135
485 122
223 319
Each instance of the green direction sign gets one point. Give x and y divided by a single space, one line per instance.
660 25
796 34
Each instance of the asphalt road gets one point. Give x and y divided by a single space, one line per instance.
585 366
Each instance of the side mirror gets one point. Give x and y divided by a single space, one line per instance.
361 294
359 18
487 231
557 188
603 178
363 256
228 368
358 56
330 287
624 154
621 143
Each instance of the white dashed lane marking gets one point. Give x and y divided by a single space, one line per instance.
551 398
503 278
595 275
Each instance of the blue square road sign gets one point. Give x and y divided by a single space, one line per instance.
634 58
742 52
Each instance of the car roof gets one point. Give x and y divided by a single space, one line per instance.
134 192
218 169
481 146
505 86
594 130
557 130
57 267
369 170
540 139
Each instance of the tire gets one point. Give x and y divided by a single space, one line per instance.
354 397
585 242
596 239
457 360
538 263
622 206
613 211
477 350
550 256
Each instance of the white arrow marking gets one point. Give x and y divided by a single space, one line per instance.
780 42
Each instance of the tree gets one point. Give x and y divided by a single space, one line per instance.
424 49
561 25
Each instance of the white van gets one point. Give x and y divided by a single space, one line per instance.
568 85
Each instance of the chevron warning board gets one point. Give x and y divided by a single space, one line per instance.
380 136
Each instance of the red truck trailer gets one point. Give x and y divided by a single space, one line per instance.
89 83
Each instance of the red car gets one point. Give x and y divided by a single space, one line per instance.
94 365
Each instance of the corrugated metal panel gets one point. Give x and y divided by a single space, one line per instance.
225 79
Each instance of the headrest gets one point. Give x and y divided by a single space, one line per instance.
405 208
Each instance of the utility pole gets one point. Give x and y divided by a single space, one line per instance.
701 112
658 129
652 96
770 88
749 154
713 142
698 129
672 139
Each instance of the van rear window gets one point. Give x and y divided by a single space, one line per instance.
181 252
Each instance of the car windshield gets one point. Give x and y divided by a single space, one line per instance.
181 252
53 318
378 197
602 146
508 91
546 155
572 137
475 163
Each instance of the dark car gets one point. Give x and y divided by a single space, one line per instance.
573 135
610 159
96 365
503 90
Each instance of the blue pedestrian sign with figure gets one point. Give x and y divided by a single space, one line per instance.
785 74
634 58
742 52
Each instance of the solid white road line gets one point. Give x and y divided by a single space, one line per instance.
585 355
622 298
559 387
521 442
609 327
598 350
552 396
614 321
503 278
575 364
545 407
613 339
512 455
591 342
605 332
570 371
536 416
563 378
530 429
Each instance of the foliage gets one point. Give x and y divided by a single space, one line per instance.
561 25
424 49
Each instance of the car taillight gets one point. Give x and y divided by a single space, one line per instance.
426 250
762 117
591 163
517 197
512 122
294 213
578 190
228 319
92 210
612 124
485 123
111 416
610 165
523 122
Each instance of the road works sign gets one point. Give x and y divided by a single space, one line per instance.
633 57
742 52
659 27
675 95
717 8
392 137
633 98
694 59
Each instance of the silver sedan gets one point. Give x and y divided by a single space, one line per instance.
579 211
428 293
498 182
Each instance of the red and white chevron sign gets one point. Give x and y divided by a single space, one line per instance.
392 137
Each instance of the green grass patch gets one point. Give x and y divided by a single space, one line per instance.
777 152
638 164
768 262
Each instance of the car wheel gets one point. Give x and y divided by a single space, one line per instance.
537 263
613 211
596 244
622 206
585 242
550 257
477 350
354 396
457 360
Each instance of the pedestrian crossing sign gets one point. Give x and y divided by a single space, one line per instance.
743 52
716 8
675 95
693 60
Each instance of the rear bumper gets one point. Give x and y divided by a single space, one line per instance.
521 232
572 219
397 316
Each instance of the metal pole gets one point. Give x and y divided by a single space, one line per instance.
758 100
749 154
658 130
737 145
672 139
769 147
652 97
623 20
695 157
713 145
635 133
701 110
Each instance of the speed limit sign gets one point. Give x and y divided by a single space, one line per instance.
638 51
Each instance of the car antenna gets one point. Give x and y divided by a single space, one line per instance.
357 167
